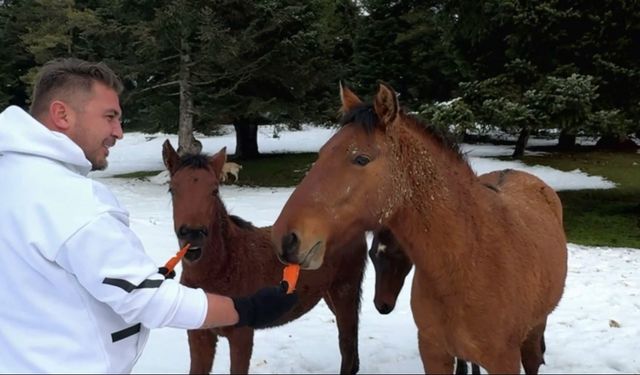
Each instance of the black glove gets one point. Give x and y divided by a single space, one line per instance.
163 270
265 306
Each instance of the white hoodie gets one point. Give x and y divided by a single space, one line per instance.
78 294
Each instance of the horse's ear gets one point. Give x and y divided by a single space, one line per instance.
217 161
386 104
170 157
348 98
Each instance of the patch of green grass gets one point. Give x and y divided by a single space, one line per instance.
140 174
276 170
608 217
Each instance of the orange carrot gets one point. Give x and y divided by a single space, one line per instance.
290 275
173 262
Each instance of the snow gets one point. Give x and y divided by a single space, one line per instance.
595 328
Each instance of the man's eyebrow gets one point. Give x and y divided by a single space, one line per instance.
114 112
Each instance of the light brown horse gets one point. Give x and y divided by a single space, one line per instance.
490 258
229 256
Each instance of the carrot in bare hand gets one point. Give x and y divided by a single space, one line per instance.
290 275
173 262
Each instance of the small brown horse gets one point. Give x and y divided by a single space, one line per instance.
392 266
229 256
490 258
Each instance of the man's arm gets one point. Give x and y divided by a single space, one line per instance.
220 312
258 310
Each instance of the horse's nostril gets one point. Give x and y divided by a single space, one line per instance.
290 244
187 233
183 231
385 309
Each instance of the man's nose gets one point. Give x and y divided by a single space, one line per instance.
117 131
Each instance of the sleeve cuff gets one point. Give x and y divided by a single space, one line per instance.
192 309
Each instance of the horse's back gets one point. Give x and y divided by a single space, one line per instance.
534 233
524 190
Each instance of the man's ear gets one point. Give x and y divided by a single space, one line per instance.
60 115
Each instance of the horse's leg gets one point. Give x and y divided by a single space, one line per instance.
347 321
435 359
343 298
532 349
475 369
505 362
461 367
202 348
240 348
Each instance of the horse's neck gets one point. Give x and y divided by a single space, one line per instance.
220 259
434 178
442 192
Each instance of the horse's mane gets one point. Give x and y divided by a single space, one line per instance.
366 116
197 161
242 223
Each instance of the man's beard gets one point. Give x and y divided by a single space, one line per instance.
99 167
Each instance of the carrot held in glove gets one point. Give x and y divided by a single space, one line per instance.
265 306
168 269
290 275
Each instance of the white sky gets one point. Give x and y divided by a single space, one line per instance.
603 284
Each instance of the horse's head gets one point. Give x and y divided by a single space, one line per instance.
349 189
194 192
391 266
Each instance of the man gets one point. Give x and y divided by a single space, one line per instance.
78 292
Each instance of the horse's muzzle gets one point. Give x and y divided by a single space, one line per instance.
290 247
194 236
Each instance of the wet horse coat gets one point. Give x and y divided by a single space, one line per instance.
490 255
231 257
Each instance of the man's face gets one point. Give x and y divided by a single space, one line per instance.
96 125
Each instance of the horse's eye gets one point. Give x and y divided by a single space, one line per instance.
170 191
215 192
361 160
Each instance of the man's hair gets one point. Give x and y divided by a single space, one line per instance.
63 78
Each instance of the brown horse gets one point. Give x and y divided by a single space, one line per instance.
490 258
229 256
392 267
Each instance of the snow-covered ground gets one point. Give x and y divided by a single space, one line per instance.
595 329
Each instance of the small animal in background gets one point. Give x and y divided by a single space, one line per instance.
230 168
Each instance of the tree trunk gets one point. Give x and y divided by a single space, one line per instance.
615 142
187 144
567 140
521 143
246 139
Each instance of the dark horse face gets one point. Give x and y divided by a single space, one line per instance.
391 266
194 192
349 189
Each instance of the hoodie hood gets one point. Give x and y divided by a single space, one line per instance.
21 133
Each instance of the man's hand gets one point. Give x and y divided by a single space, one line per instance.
265 306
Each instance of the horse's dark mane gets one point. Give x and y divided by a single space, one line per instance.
366 116
242 223
363 114
198 161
